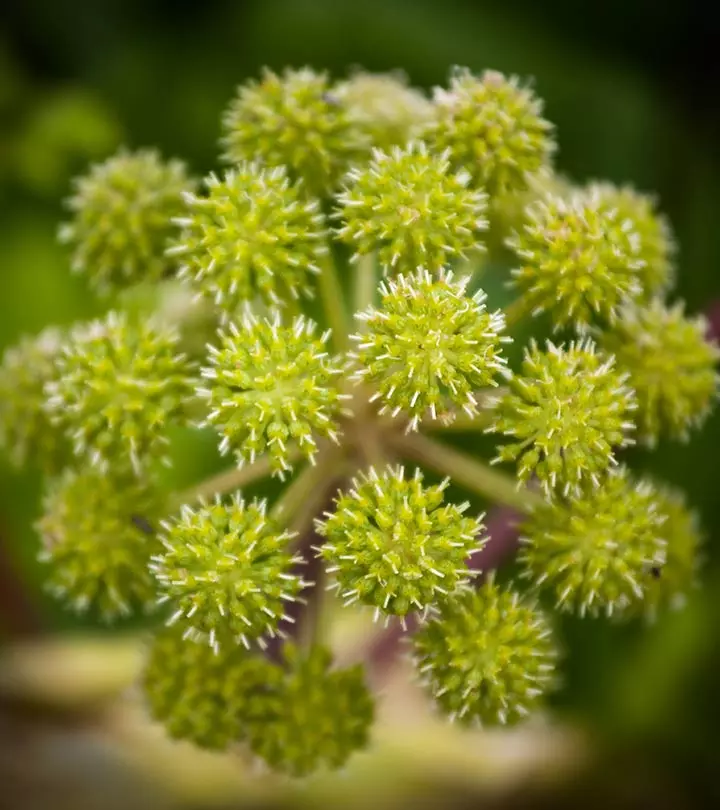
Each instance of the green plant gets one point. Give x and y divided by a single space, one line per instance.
361 198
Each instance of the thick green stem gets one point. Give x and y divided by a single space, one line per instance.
475 476
231 480
333 302
365 282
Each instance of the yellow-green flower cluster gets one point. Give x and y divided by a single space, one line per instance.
98 535
487 657
119 384
391 543
429 347
409 207
493 128
251 235
268 385
595 553
122 213
295 120
227 571
26 430
319 718
566 413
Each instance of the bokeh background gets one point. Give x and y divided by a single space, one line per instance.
632 88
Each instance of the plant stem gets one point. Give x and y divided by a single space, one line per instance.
365 282
475 476
332 299
233 479
302 498
516 311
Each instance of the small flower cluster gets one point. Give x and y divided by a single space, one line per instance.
360 198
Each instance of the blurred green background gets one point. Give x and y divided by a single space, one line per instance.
632 88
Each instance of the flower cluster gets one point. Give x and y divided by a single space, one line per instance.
360 199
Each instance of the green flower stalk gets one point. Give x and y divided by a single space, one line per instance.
122 213
270 385
239 657
596 552
26 430
391 112
295 120
98 535
487 656
319 718
493 128
408 206
672 367
204 696
391 543
566 413
429 347
580 260
252 235
118 385
227 572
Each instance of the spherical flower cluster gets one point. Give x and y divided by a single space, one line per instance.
269 385
566 412
320 716
580 260
98 536
657 247
493 128
487 656
392 544
429 346
227 572
408 206
295 120
118 385
251 235
390 111
26 431
595 553
204 696
122 219
668 586
672 366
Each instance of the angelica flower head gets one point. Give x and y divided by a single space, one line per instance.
409 206
669 586
26 430
595 552
391 543
566 412
672 367
97 534
205 696
487 656
429 346
657 245
270 384
493 128
580 259
122 219
119 384
295 120
227 571
320 717
251 235
385 106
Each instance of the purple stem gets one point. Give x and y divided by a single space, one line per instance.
502 530
713 317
